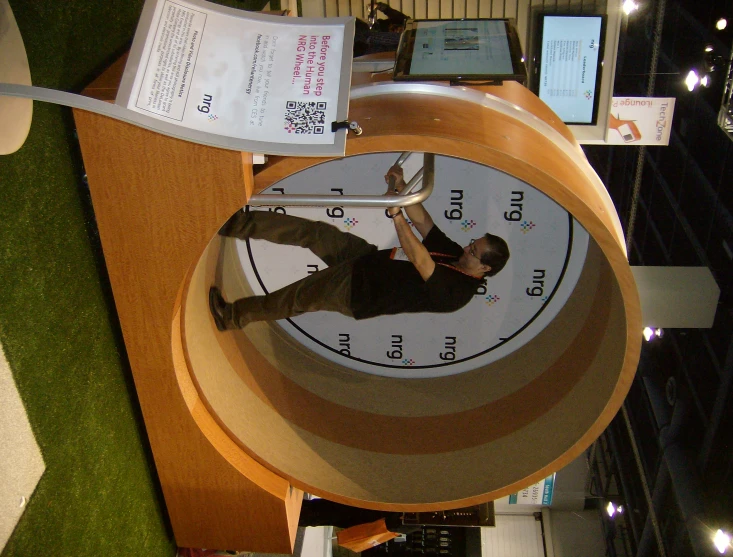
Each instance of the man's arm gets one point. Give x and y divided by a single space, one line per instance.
414 250
416 213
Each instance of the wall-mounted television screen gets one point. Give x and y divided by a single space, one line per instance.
568 65
460 50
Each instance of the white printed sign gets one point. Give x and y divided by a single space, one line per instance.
536 494
239 74
570 50
547 247
640 120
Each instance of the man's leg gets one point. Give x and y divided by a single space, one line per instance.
326 241
325 290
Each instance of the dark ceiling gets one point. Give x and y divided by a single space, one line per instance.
680 406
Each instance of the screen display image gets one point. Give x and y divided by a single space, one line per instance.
572 49
460 49
455 47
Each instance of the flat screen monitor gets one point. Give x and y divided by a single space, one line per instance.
569 65
460 50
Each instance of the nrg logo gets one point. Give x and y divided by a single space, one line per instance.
205 105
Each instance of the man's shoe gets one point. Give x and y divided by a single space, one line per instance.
217 306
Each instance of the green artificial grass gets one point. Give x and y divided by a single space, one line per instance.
99 494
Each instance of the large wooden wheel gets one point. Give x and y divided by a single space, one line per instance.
425 444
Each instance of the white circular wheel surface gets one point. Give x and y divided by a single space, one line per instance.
547 253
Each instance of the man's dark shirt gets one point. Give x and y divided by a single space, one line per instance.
382 286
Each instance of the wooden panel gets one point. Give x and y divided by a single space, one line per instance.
511 91
158 201
343 8
511 10
105 86
331 7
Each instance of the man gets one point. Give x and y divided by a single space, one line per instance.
436 275
383 35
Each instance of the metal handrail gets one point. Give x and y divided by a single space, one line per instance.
426 175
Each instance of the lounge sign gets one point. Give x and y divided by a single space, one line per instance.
640 120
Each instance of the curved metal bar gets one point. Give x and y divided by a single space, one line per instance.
403 157
412 183
405 199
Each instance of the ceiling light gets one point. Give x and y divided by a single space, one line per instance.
629 6
704 81
708 48
721 24
611 510
713 62
692 80
651 333
721 541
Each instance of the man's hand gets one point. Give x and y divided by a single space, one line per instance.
397 182
416 213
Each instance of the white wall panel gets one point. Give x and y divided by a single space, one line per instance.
513 536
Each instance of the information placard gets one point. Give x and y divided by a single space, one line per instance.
267 80
569 61
536 494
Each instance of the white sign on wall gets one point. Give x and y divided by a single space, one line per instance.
571 46
240 74
547 255
640 120
536 494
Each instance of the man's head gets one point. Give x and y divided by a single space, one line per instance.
486 255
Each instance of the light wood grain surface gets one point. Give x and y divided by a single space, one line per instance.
158 202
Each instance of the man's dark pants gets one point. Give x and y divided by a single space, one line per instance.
325 290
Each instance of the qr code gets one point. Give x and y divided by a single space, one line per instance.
306 117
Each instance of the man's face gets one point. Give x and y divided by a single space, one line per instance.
471 258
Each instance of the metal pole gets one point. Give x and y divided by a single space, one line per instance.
404 199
